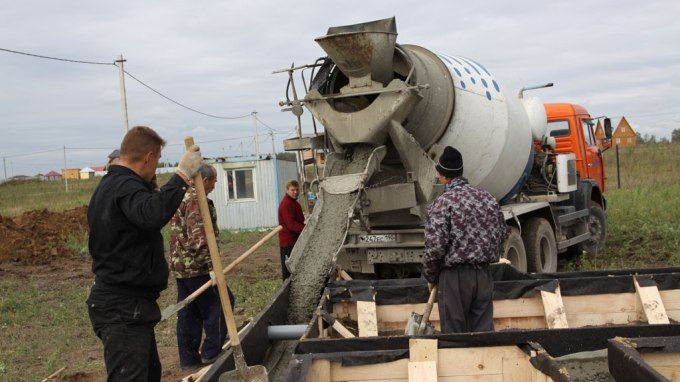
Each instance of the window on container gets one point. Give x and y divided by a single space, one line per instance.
240 184
558 128
588 132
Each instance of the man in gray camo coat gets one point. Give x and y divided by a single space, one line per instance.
464 233
190 264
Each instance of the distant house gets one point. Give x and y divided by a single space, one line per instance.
70 173
86 173
248 190
52 175
624 135
99 170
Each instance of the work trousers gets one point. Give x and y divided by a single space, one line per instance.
125 325
285 254
204 314
466 300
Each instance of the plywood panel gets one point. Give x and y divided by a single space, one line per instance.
319 371
421 350
378 372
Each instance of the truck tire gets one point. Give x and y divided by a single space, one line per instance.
540 245
597 225
513 250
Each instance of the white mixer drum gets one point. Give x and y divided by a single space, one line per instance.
489 127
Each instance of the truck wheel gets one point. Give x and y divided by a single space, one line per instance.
597 225
541 248
513 250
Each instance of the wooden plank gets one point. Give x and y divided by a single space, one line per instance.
555 314
319 371
378 372
668 364
422 350
342 330
425 371
475 360
367 319
651 302
517 369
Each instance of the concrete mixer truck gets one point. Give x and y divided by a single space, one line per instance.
388 110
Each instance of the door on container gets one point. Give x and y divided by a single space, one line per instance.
593 154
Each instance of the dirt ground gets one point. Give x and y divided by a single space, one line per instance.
38 237
38 262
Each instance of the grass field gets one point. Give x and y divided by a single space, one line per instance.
43 318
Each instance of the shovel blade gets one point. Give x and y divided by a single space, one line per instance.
256 373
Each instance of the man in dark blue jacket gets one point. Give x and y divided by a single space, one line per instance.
125 217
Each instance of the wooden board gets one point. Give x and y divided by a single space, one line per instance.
422 350
425 371
367 319
489 364
555 314
651 303
668 364
529 313
319 371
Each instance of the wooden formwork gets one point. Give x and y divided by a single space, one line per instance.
649 359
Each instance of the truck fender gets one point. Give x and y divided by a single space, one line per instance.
586 192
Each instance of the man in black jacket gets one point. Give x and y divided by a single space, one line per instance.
125 217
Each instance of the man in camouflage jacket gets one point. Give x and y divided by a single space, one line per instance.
464 233
190 264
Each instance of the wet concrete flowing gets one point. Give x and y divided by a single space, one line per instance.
314 259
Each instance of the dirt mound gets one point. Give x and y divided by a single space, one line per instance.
40 236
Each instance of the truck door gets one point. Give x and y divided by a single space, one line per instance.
593 155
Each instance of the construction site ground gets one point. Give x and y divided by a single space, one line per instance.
45 267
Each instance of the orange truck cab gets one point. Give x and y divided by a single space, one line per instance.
572 127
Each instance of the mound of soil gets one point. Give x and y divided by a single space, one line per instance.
40 236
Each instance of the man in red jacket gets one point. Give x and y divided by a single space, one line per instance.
293 222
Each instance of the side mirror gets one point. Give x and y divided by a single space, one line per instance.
608 128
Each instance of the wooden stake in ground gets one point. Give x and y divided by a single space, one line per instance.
243 371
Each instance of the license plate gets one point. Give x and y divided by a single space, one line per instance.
377 238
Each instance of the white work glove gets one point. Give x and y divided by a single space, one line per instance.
212 277
504 261
190 162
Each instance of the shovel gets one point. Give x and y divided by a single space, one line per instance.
243 372
418 325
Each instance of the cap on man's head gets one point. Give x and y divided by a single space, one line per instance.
114 154
450 163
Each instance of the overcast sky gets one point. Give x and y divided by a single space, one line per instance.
613 57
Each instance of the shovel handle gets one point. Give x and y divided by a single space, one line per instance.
214 253
234 263
430 303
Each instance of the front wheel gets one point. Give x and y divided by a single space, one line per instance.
540 244
513 250
597 225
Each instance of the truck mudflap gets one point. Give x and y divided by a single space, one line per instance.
316 250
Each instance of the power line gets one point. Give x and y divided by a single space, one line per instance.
56 58
181 104
267 126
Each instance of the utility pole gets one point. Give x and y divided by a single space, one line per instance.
257 139
271 134
123 97
63 175
4 167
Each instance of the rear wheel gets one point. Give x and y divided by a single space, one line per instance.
540 245
513 250
597 225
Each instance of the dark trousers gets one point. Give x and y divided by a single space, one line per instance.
125 325
285 254
202 314
466 300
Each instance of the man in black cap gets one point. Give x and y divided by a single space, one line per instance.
464 233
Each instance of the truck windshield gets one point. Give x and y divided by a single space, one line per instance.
558 128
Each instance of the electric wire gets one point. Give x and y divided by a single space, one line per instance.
57 58
181 104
